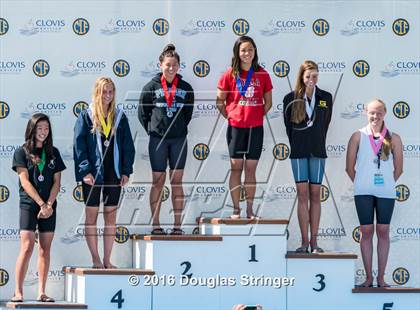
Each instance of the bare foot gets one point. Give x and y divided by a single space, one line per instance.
109 266
236 214
97 264
367 283
250 214
382 283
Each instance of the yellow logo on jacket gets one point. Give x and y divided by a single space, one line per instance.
323 104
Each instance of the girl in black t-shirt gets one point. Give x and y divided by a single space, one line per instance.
39 167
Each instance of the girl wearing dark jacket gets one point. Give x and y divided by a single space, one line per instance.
165 110
103 161
307 114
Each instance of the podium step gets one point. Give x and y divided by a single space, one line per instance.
242 226
103 271
325 279
326 255
42 305
109 288
176 238
388 290
240 221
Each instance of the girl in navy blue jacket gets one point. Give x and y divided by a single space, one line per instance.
103 161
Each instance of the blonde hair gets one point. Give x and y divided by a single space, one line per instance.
387 143
298 107
96 107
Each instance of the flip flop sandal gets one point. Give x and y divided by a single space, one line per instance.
235 216
158 231
176 231
253 217
45 298
302 249
16 299
317 250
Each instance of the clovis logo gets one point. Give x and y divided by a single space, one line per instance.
394 68
76 67
196 26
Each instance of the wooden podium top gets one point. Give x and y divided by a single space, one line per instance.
176 237
44 305
101 271
240 221
326 255
388 290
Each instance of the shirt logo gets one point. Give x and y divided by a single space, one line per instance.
323 104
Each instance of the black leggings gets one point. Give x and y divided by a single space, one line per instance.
366 205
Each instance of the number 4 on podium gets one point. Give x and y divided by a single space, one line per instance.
117 299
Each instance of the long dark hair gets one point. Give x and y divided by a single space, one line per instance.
168 51
236 61
30 141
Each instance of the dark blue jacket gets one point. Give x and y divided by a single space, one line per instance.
87 148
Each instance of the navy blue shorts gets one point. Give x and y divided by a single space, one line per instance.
308 169
162 151
366 206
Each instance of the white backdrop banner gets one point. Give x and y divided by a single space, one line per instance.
51 52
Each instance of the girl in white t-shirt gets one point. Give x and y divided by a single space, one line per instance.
374 162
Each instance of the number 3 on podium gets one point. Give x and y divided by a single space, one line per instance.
321 282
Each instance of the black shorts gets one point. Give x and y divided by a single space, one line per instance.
110 195
366 205
28 220
246 142
162 150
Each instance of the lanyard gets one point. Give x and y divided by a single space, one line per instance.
242 90
310 107
41 164
376 147
106 126
169 97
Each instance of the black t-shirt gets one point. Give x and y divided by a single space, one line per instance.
52 165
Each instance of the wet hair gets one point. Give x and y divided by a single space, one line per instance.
30 138
387 143
169 51
236 61
298 107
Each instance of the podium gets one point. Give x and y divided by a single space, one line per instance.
230 262
108 288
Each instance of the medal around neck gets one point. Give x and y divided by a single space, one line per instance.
41 165
242 89
169 96
106 143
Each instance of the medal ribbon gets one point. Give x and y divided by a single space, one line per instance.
242 90
106 126
376 147
169 97
41 164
